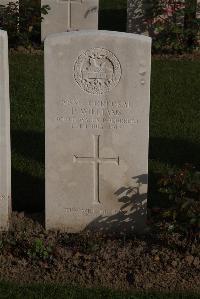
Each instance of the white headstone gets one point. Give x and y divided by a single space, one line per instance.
68 15
198 6
5 2
5 156
97 129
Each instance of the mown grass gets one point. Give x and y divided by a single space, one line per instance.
27 131
13 291
174 124
174 140
174 119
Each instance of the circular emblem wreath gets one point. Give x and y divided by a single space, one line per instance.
97 71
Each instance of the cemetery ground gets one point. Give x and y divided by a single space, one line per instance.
164 260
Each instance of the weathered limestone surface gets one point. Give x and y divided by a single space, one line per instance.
4 2
97 86
5 156
68 15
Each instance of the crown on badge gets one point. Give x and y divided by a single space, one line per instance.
98 70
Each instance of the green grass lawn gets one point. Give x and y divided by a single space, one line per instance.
12 291
174 140
174 119
27 131
174 124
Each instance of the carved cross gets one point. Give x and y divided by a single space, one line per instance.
96 160
69 3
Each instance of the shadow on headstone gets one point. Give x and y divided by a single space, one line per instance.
132 214
28 192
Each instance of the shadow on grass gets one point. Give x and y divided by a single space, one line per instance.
112 19
29 144
28 190
175 152
28 186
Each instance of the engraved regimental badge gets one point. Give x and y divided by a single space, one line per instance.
97 71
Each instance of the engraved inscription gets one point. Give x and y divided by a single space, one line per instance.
88 212
97 114
97 71
96 160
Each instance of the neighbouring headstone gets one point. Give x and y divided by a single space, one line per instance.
5 156
136 16
198 7
5 2
97 86
68 15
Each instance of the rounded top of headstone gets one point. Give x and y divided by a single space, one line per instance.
97 33
3 33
